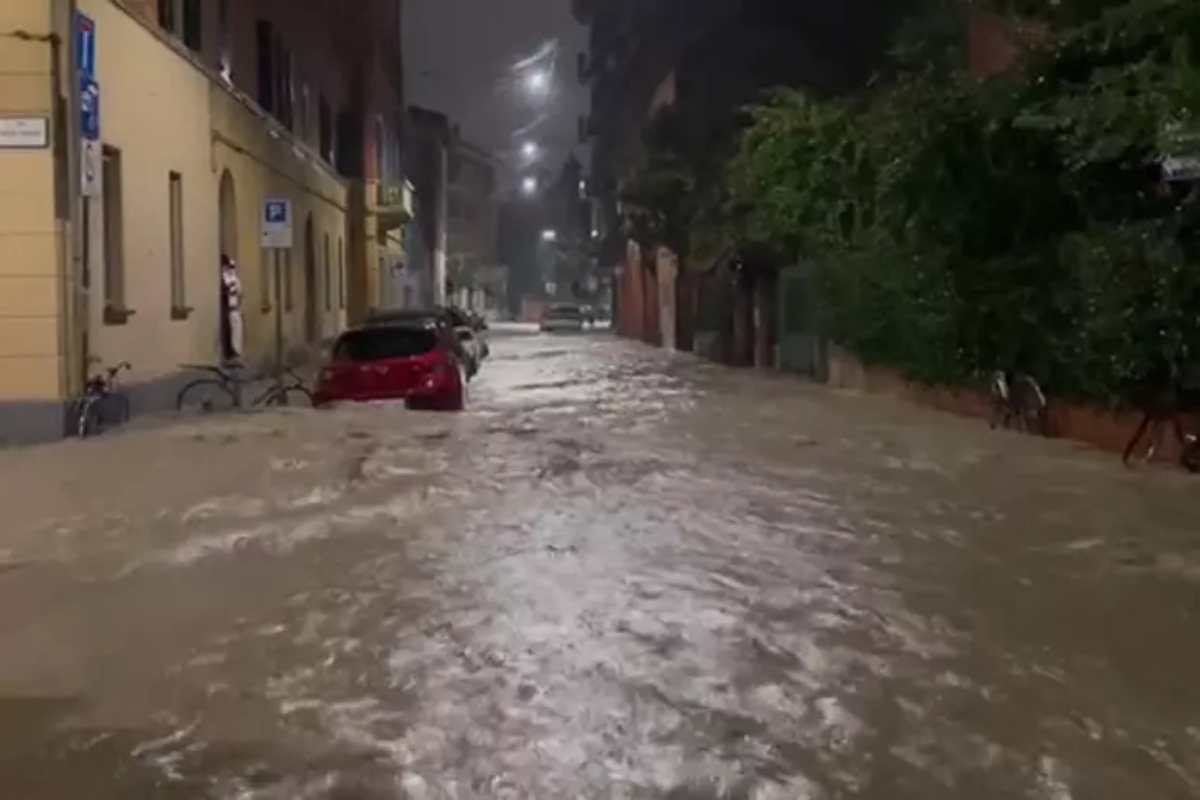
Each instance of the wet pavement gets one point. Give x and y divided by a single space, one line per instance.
622 574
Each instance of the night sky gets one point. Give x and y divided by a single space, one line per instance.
461 58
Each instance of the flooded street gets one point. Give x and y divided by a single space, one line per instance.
621 574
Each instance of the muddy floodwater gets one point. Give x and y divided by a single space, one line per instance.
622 574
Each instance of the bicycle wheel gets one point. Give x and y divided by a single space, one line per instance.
205 396
288 397
88 423
1144 444
1191 455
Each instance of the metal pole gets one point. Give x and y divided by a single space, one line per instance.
278 315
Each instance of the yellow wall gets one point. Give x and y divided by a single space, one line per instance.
30 364
154 108
263 166
167 114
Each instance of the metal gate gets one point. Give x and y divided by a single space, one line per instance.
801 347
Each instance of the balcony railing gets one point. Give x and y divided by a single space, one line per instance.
396 203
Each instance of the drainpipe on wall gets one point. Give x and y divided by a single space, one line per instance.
65 121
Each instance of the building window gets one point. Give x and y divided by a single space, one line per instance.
325 125
193 24
265 41
328 276
284 95
304 115
224 33
179 309
115 312
341 274
166 15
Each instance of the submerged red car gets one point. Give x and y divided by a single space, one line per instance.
418 361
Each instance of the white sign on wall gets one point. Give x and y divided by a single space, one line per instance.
91 163
277 223
24 133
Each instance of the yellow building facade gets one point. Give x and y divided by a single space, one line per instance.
110 249
33 228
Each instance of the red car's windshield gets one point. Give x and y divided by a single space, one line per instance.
379 344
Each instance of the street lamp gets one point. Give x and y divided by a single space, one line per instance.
529 185
537 82
549 235
530 150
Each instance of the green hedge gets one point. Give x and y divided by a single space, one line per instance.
1016 223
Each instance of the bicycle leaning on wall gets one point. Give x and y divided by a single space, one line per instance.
102 405
225 390
1165 408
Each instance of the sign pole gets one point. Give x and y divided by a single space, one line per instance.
278 315
276 221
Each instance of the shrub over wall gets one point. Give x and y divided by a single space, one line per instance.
1020 222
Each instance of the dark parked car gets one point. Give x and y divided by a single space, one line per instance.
562 317
450 316
417 361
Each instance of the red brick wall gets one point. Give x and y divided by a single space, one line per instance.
995 44
633 300
991 46
651 333
637 315
1102 429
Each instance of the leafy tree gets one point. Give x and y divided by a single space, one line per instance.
1018 222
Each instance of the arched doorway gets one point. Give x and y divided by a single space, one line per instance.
228 217
312 316
227 236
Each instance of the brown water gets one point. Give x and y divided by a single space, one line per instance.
624 574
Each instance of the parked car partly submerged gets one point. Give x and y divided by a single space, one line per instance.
563 317
418 361
471 326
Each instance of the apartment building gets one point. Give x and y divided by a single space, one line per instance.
139 141
472 226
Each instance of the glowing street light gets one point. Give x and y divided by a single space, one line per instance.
537 82
549 235
529 185
530 150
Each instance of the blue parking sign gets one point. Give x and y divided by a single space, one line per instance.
277 223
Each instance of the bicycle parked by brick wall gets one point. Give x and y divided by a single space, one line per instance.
1171 404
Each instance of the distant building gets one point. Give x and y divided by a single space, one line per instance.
430 139
474 216
705 60
112 224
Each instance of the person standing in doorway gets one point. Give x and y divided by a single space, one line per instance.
231 313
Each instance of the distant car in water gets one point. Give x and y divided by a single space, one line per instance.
418 361
562 317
